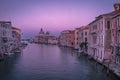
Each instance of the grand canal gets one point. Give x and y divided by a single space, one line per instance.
51 62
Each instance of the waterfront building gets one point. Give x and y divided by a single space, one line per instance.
5 36
10 37
66 38
80 38
100 37
83 38
41 37
45 38
85 33
115 35
62 38
35 40
76 38
16 38
52 40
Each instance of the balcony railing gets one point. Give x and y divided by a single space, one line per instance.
93 31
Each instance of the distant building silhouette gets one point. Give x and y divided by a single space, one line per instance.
45 38
41 32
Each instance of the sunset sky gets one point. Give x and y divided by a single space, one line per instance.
52 15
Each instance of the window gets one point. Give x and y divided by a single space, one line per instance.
81 33
85 33
101 54
101 25
118 21
77 32
94 39
4 33
108 24
85 39
101 40
118 51
77 38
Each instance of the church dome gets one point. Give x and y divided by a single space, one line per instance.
41 31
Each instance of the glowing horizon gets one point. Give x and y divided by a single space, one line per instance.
54 15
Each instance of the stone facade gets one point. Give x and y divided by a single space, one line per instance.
83 38
16 38
5 36
66 38
115 34
52 40
101 36
76 38
10 37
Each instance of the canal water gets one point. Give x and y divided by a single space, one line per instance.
51 62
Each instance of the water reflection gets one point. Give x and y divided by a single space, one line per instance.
51 62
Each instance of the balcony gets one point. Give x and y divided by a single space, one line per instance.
93 31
